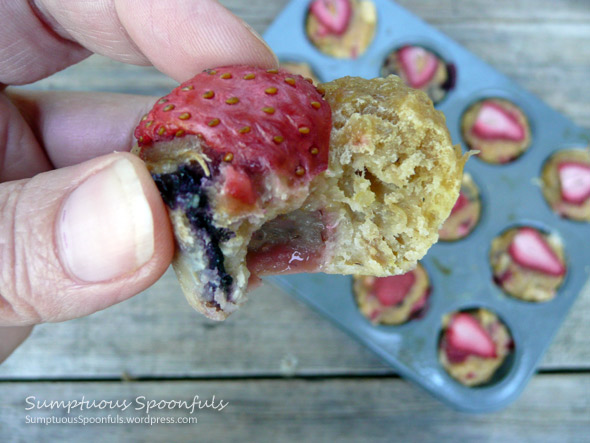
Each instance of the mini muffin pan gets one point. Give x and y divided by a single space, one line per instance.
460 272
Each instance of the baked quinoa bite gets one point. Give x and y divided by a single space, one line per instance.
263 173
393 176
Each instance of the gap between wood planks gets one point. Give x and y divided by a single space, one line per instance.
127 378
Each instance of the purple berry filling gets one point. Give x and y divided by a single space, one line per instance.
178 190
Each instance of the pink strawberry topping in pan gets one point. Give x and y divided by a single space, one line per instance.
464 336
341 28
474 344
528 264
530 250
333 15
465 213
393 289
498 129
421 68
566 183
574 179
494 122
462 201
394 299
418 64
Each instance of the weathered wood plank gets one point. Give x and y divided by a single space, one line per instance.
553 408
158 334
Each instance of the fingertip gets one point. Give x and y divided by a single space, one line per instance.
81 239
183 38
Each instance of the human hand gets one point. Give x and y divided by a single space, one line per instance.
81 227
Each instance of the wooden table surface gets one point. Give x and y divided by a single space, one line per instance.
286 372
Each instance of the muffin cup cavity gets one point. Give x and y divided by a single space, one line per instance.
528 264
565 183
475 347
421 68
466 213
393 300
342 29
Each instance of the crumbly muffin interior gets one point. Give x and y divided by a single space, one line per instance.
392 180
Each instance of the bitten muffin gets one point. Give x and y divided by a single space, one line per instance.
497 128
421 69
341 28
465 214
473 346
566 183
528 264
395 299
264 174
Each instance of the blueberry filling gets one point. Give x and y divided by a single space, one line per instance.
185 189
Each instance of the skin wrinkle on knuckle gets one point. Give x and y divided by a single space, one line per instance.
111 38
126 58
41 274
21 152
12 56
15 291
4 118
48 21
26 108
29 47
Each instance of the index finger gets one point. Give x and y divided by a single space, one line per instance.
178 37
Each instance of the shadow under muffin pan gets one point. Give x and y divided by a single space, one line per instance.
459 271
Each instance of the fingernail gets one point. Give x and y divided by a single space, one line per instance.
258 36
105 229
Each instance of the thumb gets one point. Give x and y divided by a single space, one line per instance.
79 239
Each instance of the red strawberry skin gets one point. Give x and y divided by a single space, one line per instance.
464 336
257 120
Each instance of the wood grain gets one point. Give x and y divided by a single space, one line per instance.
158 334
553 408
